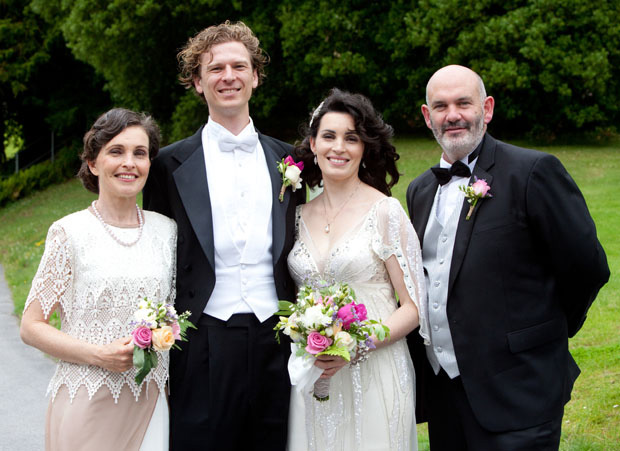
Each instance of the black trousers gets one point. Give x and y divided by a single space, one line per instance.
229 387
452 425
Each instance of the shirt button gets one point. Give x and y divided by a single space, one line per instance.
435 327
435 305
244 282
244 294
439 349
242 266
441 261
437 283
444 239
242 194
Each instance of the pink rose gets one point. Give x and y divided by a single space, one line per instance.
362 314
142 337
317 343
176 330
480 188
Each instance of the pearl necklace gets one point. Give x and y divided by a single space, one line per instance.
328 226
111 233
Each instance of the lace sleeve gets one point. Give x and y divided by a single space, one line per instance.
396 236
53 282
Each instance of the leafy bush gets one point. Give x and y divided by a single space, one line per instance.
39 176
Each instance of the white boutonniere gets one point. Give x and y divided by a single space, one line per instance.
291 174
475 191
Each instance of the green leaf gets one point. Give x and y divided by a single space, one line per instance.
285 308
338 352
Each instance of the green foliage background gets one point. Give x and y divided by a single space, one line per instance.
552 65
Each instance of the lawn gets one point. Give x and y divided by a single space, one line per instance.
592 417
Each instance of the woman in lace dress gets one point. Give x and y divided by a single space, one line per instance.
354 233
97 265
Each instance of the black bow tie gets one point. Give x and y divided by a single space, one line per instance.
444 175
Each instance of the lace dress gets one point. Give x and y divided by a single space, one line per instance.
95 284
371 405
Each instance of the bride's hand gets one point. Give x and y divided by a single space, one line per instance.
330 364
116 356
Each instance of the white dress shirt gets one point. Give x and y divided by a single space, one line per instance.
241 200
450 196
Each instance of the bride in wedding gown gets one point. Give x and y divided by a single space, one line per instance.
354 233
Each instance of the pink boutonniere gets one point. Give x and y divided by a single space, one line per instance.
291 173
479 189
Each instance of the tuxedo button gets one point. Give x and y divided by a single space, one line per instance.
435 305
439 349
435 327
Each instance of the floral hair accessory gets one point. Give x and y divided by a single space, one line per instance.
475 191
291 173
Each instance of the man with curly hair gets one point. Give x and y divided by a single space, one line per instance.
229 387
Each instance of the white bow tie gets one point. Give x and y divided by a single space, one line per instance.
229 142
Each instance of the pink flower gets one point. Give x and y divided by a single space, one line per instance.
347 314
290 162
176 330
362 314
481 188
142 337
317 343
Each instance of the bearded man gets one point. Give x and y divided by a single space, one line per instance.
512 265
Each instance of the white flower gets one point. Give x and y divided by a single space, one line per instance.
143 304
295 336
145 316
345 339
314 317
293 173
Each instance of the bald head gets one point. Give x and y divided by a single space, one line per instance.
457 110
449 75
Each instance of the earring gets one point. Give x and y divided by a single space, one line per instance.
315 159
364 164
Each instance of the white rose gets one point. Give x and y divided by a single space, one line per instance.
293 173
345 339
314 317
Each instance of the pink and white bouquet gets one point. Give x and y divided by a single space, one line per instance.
327 321
156 328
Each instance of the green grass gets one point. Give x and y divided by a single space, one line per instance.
591 422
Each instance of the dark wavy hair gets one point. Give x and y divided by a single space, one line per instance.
379 159
105 128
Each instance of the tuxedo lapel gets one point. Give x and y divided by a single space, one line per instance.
191 181
423 204
465 228
273 155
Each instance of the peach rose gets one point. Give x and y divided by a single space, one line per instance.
163 338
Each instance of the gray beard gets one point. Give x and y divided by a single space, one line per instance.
457 149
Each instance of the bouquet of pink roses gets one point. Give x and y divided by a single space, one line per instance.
328 321
156 328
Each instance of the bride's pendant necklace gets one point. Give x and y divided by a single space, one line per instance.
329 223
111 232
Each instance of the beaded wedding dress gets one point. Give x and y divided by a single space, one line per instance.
371 405
95 284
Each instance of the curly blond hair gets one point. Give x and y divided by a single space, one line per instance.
189 57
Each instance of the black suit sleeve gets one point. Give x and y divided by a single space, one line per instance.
154 195
567 236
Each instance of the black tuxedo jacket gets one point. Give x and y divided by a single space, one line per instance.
525 269
177 187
